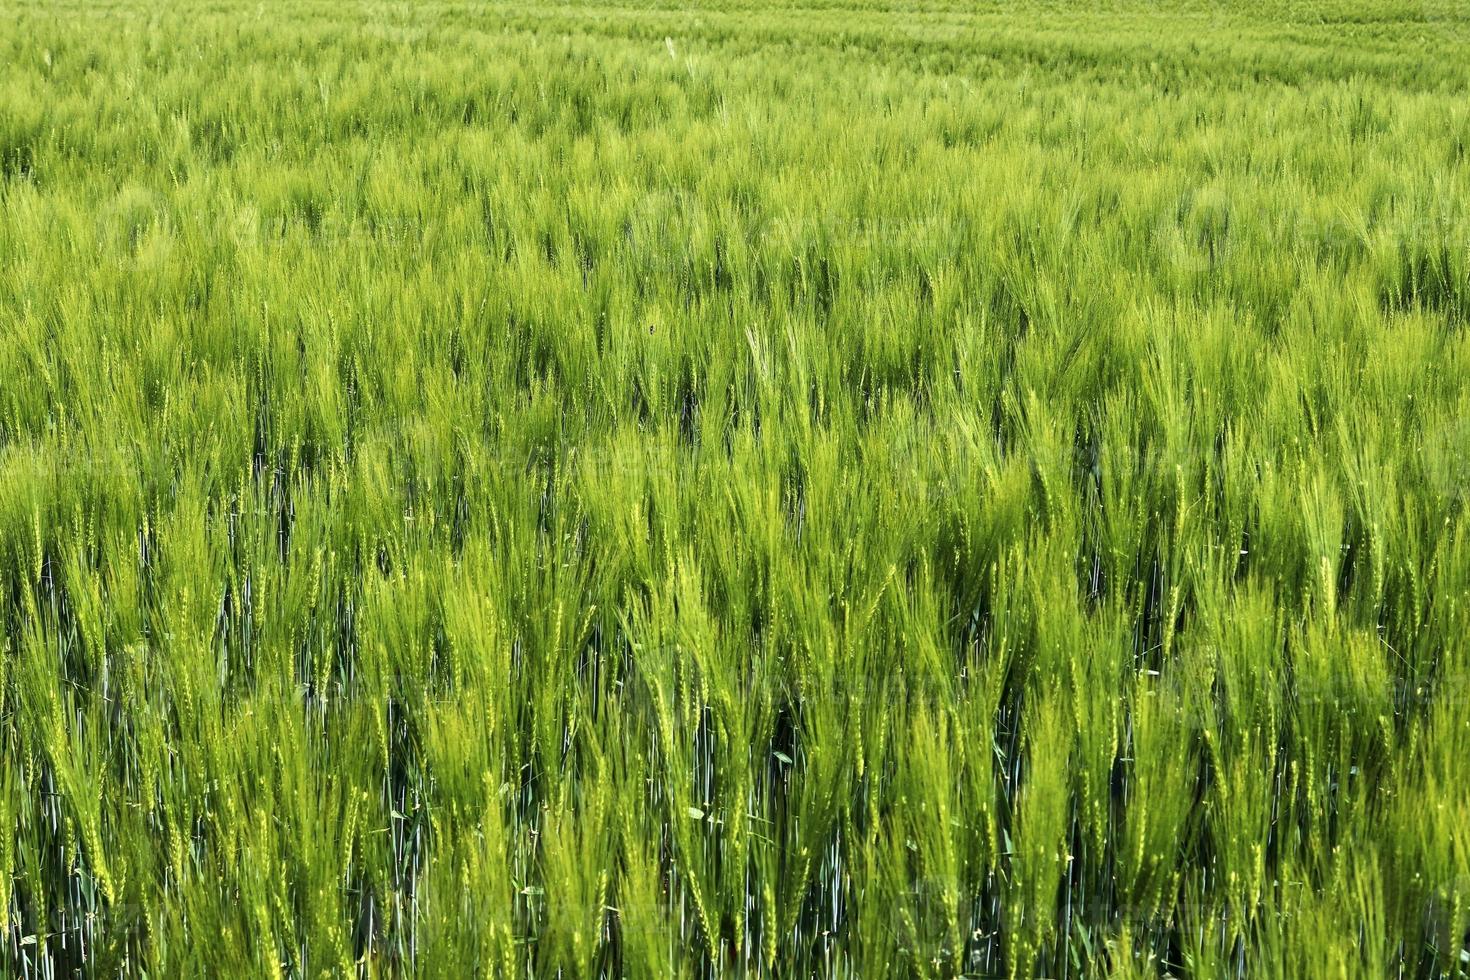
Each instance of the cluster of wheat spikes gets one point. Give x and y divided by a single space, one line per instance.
742 491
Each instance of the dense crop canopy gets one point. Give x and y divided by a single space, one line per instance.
748 490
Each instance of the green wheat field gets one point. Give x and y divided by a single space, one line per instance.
851 489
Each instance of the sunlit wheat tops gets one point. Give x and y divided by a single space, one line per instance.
746 491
